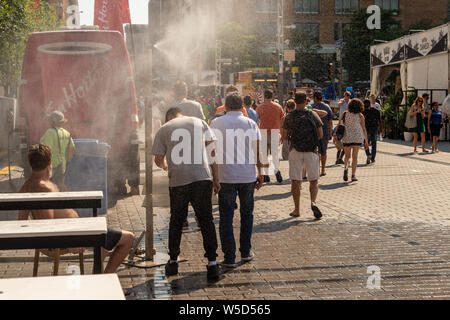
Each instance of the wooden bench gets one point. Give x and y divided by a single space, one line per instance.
92 287
53 200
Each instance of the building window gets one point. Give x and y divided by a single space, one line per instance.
266 6
387 4
311 29
345 6
268 29
307 6
339 30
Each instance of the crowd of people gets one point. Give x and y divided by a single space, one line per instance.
236 150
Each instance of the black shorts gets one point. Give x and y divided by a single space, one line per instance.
352 144
435 129
323 146
112 239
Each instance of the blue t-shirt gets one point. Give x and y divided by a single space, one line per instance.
334 132
252 114
326 119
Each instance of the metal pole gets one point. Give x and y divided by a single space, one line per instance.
280 50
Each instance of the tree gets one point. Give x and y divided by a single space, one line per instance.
19 18
358 38
312 65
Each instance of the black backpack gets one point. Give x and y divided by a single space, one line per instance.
302 132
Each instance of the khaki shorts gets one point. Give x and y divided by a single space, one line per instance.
299 159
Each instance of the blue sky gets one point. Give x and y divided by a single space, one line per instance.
138 8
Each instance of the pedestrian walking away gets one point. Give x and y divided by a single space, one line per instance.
239 175
354 136
271 117
192 179
435 124
303 129
373 126
327 128
339 146
62 146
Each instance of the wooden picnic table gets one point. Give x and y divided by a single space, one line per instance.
54 200
74 287
55 233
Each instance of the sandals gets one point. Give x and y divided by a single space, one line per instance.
294 215
346 175
354 179
317 212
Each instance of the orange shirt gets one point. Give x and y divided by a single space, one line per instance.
271 116
222 108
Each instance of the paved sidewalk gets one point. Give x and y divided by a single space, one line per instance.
396 217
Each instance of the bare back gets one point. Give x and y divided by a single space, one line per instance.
34 185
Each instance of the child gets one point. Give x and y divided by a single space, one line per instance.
339 146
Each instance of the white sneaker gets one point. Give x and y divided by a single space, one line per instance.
249 258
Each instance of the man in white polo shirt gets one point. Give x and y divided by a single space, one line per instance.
238 139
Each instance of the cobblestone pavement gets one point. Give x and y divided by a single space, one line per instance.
396 217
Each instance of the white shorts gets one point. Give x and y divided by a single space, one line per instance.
299 159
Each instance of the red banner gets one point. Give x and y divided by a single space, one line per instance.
111 14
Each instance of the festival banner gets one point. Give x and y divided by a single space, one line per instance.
111 14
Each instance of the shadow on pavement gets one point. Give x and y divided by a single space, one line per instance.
279 225
333 186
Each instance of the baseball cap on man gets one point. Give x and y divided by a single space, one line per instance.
57 118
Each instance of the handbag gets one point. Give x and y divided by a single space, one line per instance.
340 130
410 121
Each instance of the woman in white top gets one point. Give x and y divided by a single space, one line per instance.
355 135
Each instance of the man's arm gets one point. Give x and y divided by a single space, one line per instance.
214 169
321 113
160 161
320 132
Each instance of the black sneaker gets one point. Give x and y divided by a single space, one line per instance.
185 225
212 272
226 264
279 177
171 268
368 160
266 179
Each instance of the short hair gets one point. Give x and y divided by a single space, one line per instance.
290 104
231 89
268 94
233 101
372 95
425 95
355 106
300 97
366 103
39 156
247 100
434 104
172 112
348 93
180 89
318 95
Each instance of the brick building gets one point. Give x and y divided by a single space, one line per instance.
326 18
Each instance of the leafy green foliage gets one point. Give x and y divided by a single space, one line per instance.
18 19
358 38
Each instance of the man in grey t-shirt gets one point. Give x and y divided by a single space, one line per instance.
189 108
180 147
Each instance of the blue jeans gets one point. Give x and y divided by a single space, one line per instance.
372 136
227 202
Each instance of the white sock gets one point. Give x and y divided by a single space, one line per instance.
173 261
212 263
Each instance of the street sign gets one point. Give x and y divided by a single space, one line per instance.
294 69
289 55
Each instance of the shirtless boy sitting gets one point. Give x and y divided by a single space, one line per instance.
39 158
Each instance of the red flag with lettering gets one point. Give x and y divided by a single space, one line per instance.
111 14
